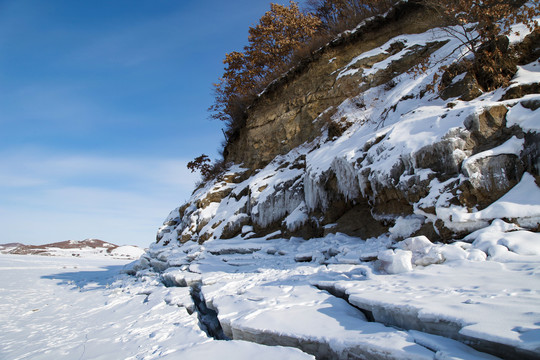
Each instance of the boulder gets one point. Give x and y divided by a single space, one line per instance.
465 87
489 178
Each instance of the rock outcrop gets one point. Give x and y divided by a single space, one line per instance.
353 140
288 113
355 152
306 193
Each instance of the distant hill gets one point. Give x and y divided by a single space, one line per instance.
9 246
84 248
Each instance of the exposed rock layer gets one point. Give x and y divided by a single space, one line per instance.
283 117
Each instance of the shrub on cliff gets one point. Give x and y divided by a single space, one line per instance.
208 169
481 27
202 164
271 46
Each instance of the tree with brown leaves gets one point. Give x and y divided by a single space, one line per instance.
272 43
474 22
482 26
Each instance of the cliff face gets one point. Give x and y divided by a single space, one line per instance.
288 113
354 142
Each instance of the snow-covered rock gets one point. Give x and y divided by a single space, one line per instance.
411 233
395 261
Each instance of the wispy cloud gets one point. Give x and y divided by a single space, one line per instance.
53 168
53 197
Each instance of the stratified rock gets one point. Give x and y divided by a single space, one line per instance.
489 178
282 117
466 88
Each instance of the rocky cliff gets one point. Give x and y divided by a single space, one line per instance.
288 113
352 141
352 166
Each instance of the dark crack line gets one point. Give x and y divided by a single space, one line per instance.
343 295
208 319
84 346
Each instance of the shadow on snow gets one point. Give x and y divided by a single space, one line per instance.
88 280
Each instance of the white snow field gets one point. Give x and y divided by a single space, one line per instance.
418 300
265 294
83 308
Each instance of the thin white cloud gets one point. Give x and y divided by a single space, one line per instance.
43 167
53 197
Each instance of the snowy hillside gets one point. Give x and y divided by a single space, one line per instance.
89 248
412 233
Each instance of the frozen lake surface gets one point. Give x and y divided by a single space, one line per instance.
81 308
273 305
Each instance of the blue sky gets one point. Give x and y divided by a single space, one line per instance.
102 103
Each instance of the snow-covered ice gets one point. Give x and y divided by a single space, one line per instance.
274 306
81 308
415 299
66 308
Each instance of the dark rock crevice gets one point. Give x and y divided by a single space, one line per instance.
208 319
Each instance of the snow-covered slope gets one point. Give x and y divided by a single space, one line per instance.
4 248
412 234
92 248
